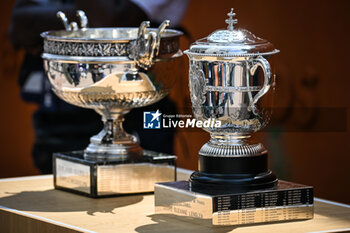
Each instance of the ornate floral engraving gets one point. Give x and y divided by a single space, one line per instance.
85 49
197 86
101 49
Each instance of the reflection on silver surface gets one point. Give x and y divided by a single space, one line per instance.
97 179
101 86
132 178
72 175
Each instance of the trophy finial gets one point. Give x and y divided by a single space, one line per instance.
231 21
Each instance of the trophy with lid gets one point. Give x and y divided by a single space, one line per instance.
233 184
111 70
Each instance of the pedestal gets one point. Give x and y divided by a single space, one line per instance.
288 201
75 174
221 174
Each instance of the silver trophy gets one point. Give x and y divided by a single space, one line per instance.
225 86
110 70
233 176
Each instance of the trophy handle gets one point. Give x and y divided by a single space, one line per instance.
146 46
83 19
63 18
265 65
73 26
160 31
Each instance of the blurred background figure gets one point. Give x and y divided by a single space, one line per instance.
59 126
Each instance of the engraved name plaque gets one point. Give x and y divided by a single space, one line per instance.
96 178
289 201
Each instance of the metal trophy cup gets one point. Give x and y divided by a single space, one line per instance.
233 185
111 70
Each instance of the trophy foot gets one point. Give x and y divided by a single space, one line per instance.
113 143
230 173
231 183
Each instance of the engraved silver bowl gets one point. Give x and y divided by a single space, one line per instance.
111 70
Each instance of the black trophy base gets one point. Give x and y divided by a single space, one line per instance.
221 184
73 173
219 175
286 202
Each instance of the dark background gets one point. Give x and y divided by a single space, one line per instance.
313 87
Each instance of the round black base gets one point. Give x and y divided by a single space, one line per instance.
222 175
223 183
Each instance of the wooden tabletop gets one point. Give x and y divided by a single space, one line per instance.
30 204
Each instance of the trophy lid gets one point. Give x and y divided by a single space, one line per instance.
231 42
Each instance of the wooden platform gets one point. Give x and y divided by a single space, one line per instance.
31 205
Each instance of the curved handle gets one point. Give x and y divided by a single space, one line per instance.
63 18
142 29
160 31
73 26
83 19
265 65
146 46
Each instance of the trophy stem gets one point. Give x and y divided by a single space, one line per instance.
113 143
233 139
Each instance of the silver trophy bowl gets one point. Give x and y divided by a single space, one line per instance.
111 70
